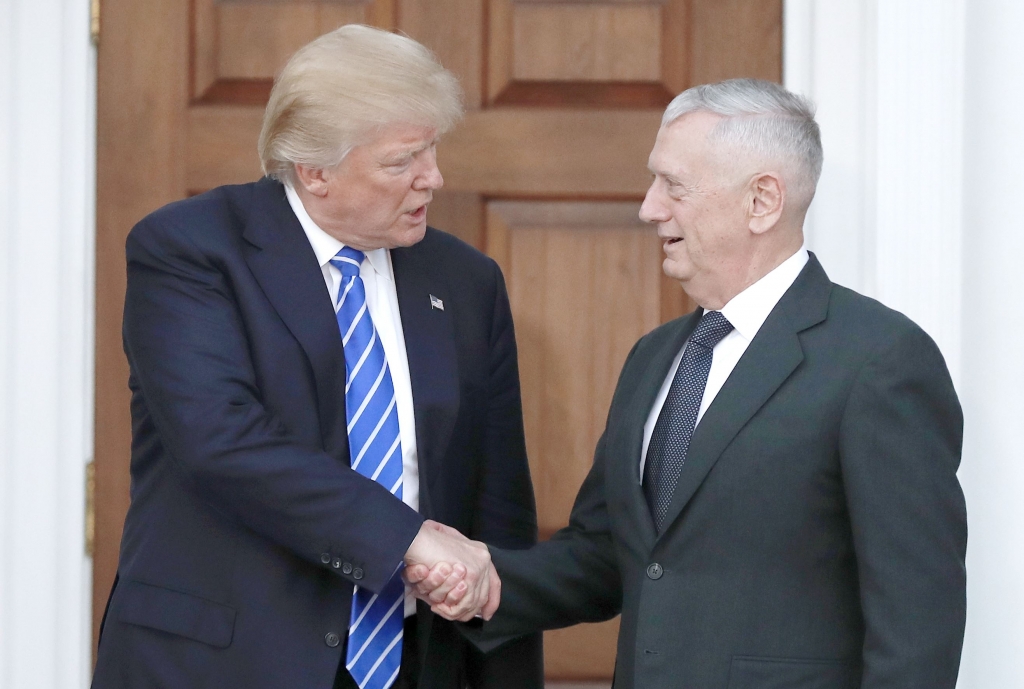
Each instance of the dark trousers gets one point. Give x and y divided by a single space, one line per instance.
409 672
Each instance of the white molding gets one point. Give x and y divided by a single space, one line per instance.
929 90
828 58
919 166
887 80
47 160
993 333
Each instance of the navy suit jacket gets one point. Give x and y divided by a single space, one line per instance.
247 528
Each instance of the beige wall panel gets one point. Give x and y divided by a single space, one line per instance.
142 82
548 152
499 46
586 651
586 42
222 146
497 152
735 38
452 29
204 46
460 214
584 282
254 40
575 90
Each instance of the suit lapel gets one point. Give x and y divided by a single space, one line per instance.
649 383
433 363
287 270
772 356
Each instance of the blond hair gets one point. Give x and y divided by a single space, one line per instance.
337 90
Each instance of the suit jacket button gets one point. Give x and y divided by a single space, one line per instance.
325 558
357 573
332 639
655 571
337 563
347 568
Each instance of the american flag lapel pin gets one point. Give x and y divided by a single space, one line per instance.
436 303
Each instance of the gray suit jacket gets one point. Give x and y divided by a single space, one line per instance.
817 535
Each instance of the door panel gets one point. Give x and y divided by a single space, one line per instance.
545 174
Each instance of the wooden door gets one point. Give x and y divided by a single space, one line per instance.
546 174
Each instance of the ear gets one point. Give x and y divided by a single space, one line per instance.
767 199
312 179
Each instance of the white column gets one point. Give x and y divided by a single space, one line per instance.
887 77
828 56
47 124
920 106
992 391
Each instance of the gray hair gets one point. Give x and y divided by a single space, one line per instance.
763 119
338 89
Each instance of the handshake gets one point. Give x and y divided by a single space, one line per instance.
452 573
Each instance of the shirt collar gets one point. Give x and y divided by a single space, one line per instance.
749 309
324 245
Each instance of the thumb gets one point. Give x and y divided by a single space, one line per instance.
415 574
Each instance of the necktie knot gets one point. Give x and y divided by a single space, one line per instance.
348 261
713 326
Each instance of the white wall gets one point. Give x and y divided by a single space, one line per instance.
919 104
47 105
888 80
993 343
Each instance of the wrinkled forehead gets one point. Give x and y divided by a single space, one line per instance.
683 143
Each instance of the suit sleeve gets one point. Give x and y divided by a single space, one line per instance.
569 579
900 442
506 513
189 356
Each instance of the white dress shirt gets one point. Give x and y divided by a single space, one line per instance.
747 312
382 302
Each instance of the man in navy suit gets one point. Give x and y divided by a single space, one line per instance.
256 537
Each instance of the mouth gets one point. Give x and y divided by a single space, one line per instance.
418 213
671 240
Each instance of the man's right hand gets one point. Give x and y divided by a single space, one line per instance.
452 573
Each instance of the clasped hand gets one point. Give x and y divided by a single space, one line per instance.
452 573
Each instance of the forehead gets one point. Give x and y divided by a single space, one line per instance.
683 143
401 136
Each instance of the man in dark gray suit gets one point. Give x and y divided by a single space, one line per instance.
774 501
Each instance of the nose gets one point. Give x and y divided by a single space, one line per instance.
430 176
653 209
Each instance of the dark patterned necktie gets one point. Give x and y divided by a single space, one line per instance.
670 441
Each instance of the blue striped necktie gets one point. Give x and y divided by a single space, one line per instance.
375 448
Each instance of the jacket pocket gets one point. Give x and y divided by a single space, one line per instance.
749 672
176 613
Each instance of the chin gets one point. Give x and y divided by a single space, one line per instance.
410 236
675 270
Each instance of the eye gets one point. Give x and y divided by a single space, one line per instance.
399 163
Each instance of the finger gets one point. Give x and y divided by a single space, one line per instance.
439 573
464 603
436 574
448 612
415 574
440 592
457 594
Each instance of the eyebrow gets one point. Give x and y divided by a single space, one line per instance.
410 152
